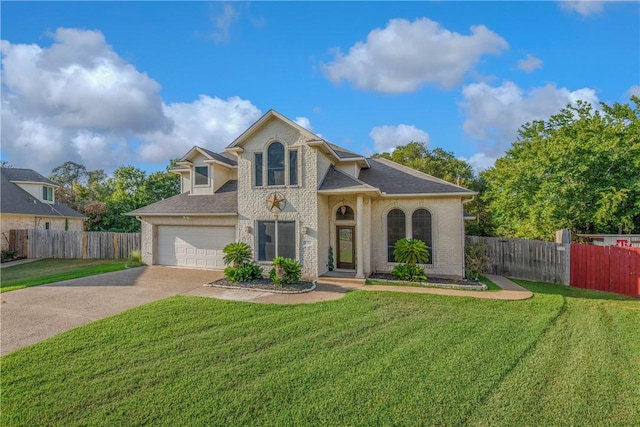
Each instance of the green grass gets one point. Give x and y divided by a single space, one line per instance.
563 357
46 271
490 285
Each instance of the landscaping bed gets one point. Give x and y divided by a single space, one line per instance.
433 282
265 285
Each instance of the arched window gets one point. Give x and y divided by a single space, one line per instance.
275 164
421 226
395 231
344 213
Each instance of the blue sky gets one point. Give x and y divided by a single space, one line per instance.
108 84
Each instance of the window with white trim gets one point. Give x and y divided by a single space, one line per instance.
47 194
276 238
202 175
257 171
275 164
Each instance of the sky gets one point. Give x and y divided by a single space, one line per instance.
111 84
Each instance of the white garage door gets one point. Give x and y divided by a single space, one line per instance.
193 246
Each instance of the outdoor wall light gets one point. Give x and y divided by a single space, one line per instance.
247 229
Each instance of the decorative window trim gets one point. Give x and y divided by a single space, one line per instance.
47 194
254 172
386 222
411 233
267 159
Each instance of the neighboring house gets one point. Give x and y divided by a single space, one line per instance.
287 192
624 240
27 201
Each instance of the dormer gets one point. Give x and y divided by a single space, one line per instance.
35 184
204 172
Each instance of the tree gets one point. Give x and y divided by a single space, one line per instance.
439 163
580 170
68 175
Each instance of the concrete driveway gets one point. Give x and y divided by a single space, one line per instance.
34 314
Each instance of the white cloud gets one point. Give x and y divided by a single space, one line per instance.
480 161
404 56
212 123
583 7
79 100
494 114
387 138
304 122
222 23
530 63
633 91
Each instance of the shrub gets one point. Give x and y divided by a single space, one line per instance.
475 260
411 251
330 259
135 258
236 254
285 271
409 273
244 273
8 254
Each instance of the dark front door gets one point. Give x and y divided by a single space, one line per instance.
346 247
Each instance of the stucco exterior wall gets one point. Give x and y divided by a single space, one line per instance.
25 222
302 200
149 230
36 191
201 189
447 256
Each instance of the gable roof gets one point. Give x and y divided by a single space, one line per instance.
313 140
392 178
227 159
222 202
16 200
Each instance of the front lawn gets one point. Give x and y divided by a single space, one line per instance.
52 270
371 358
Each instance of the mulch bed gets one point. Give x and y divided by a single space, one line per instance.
430 280
265 285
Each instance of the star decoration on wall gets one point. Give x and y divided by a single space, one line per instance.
276 202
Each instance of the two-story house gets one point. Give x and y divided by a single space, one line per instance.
28 202
288 192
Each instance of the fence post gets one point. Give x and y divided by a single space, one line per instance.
563 240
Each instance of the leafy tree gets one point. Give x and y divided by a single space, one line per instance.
68 175
438 162
580 169
161 185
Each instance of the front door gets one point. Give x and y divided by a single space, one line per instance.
346 247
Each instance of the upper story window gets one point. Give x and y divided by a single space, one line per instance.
275 164
47 194
278 166
201 175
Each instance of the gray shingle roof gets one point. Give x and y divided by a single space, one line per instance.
227 158
15 200
343 153
335 179
25 175
223 201
393 178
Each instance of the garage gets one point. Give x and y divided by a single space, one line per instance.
188 246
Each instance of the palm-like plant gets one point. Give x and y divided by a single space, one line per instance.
411 251
236 254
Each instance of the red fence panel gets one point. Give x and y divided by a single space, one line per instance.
606 268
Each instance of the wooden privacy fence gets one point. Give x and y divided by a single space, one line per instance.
526 259
73 244
606 268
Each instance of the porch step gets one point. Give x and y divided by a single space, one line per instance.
351 281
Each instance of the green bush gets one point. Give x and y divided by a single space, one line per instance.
8 254
475 260
411 251
285 271
236 254
409 273
244 273
135 258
